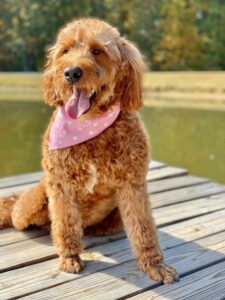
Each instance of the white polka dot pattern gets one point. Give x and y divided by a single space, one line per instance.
66 132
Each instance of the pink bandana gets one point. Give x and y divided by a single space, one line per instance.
67 131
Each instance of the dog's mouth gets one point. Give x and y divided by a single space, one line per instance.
79 103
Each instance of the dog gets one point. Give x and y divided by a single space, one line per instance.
95 150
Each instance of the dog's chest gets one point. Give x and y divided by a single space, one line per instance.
80 165
93 178
102 162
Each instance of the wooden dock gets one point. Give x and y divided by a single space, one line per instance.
190 215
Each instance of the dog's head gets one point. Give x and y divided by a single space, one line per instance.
91 67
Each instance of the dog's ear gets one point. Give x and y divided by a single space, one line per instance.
48 80
130 76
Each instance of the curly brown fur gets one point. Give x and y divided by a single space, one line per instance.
109 225
28 211
6 207
94 186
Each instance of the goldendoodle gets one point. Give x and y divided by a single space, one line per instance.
95 150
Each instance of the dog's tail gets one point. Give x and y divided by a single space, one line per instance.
28 208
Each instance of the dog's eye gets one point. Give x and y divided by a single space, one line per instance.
95 51
65 51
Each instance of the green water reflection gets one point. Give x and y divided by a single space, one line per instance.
194 139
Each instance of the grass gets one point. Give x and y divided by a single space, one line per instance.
204 90
210 82
21 80
170 89
201 82
21 86
21 95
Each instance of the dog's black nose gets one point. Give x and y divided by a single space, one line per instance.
73 74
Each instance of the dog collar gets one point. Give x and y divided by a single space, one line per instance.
66 132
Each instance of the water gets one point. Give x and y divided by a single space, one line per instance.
21 127
189 138
193 139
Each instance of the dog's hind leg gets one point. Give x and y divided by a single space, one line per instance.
6 207
31 208
109 225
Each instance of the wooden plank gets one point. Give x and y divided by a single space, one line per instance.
190 209
9 236
184 194
40 249
115 257
153 186
20 179
156 164
161 185
34 177
195 228
165 172
205 284
124 279
154 174
45 274
179 195
187 257
8 191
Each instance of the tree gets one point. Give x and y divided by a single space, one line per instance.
172 34
180 45
211 25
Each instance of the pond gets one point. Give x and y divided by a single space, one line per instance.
189 138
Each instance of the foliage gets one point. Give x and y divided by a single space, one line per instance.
172 34
179 46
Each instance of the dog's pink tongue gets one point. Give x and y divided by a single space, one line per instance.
77 104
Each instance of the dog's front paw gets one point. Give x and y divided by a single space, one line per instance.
162 272
156 268
71 264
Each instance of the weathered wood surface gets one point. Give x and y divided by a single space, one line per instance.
205 284
11 185
190 215
20 179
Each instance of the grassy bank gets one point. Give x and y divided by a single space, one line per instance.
176 89
20 79
205 90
